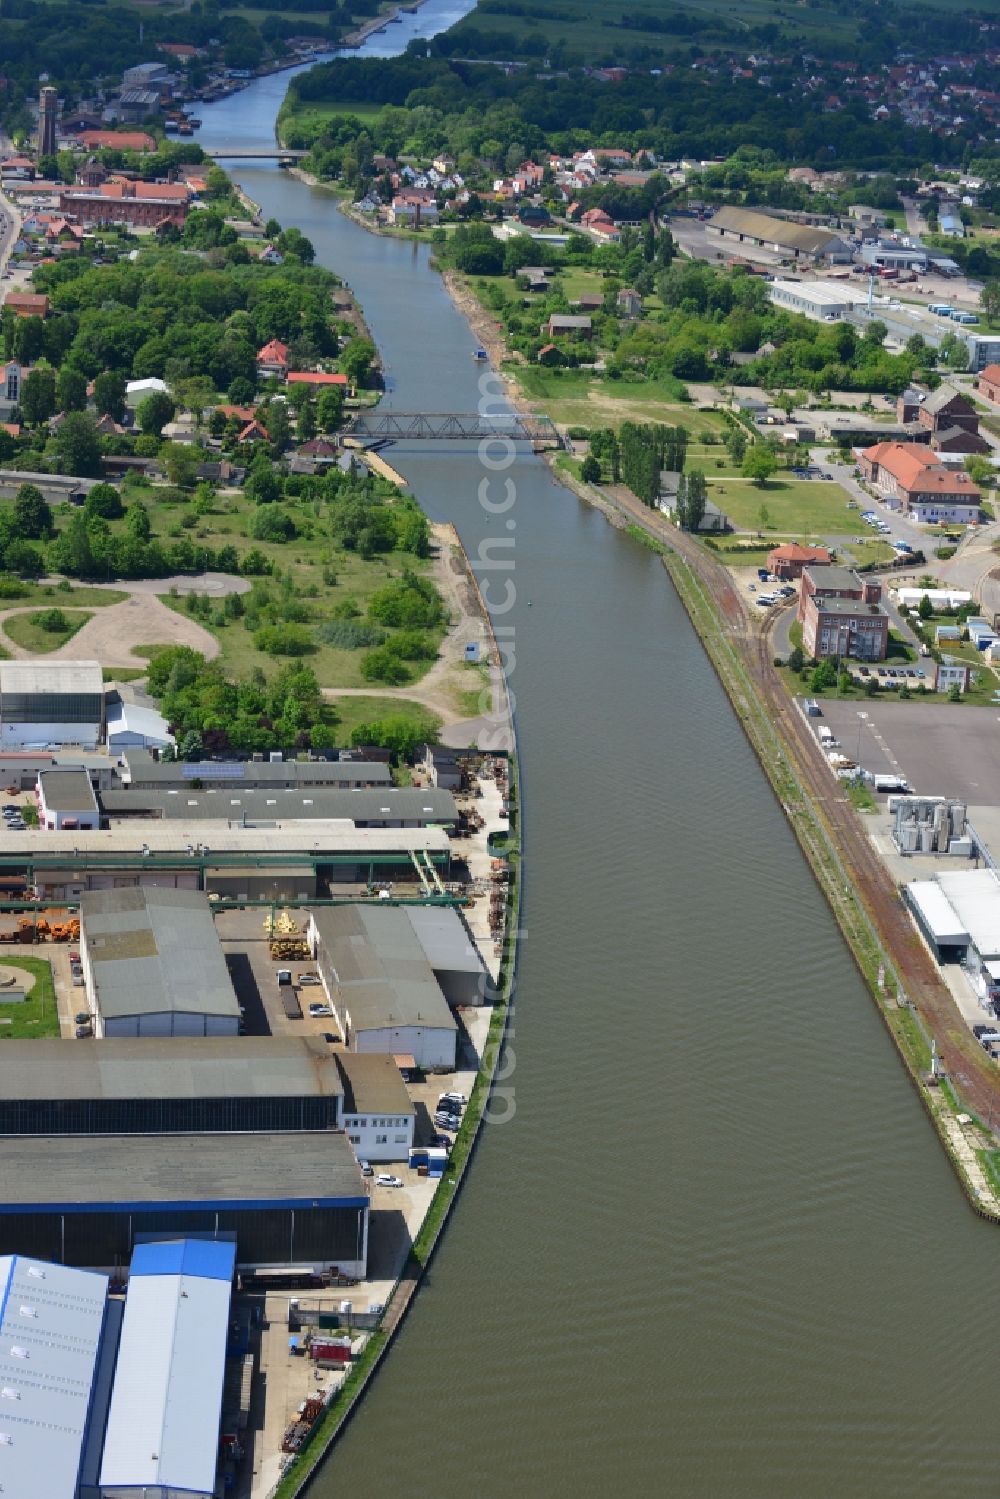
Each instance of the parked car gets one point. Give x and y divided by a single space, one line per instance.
330 1037
441 1140
447 1121
366 1169
320 1010
454 1097
310 978
82 1031
83 1018
385 1180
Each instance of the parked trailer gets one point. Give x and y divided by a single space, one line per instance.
290 1004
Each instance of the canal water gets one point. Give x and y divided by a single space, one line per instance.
717 1250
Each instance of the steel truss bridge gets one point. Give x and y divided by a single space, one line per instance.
452 426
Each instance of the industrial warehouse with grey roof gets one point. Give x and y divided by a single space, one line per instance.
144 773
288 1198
381 984
388 807
153 965
148 1085
747 225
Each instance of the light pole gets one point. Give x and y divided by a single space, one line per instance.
862 720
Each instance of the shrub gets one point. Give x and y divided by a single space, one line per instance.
347 635
52 620
409 601
384 665
270 523
284 640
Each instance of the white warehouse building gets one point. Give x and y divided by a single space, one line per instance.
51 702
163 1426
153 965
818 300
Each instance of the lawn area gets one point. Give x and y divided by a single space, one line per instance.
29 631
737 554
15 593
865 552
354 711
786 507
37 1015
577 398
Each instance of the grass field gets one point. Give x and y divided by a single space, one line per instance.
785 507
354 711
575 398
312 117
17 594
37 1015
26 630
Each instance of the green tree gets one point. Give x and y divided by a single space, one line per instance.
278 427
925 608
759 464
329 408
192 746
824 675
736 443
38 396
989 299
154 412
796 658
109 394
32 516
71 390
590 470
181 461
356 361
697 499
103 501
78 444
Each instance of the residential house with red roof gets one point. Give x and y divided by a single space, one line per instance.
988 383
789 559
272 360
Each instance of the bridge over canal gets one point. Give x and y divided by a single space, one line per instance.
453 426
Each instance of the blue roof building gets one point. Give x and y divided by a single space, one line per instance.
163 1426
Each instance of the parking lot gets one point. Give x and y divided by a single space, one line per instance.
942 749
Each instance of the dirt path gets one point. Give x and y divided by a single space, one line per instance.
109 636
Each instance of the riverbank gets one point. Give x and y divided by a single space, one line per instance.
303 1468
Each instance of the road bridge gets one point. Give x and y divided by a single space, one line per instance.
452 426
236 154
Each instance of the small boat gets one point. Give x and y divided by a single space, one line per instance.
480 355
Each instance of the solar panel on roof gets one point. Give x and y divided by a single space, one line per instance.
232 770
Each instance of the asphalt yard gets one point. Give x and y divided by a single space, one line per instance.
942 749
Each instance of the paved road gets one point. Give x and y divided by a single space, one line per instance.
902 529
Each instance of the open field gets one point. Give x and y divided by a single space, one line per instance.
311 117
575 398
354 711
785 507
